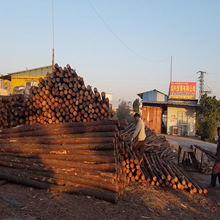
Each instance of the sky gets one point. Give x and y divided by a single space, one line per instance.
123 47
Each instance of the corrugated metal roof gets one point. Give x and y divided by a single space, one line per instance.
40 71
141 94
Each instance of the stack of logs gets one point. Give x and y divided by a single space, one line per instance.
159 168
59 98
10 111
77 157
63 97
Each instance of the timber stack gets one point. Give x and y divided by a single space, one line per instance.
10 111
159 168
77 157
63 97
59 98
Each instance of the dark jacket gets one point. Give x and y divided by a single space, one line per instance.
216 167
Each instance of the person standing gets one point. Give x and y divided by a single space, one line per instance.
138 147
216 167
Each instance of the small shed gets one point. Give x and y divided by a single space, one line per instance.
152 111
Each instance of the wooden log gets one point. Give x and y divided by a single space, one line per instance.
168 167
150 168
188 182
83 147
54 178
74 130
106 167
91 191
165 171
46 140
57 169
73 157
76 189
27 128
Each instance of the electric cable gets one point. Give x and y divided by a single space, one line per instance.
119 39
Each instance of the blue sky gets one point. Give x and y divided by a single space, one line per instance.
114 44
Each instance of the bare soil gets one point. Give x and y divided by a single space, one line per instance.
140 201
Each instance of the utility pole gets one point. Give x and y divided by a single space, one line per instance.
201 83
171 70
53 36
202 91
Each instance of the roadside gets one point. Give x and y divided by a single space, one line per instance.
176 141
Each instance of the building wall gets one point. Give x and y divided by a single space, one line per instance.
21 81
161 97
150 96
181 121
4 87
154 95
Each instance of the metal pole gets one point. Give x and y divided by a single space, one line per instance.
171 70
53 36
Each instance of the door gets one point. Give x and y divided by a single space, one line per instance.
152 117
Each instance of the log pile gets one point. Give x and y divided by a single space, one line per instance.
60 97
159 169
63 97
131 168
77 157
10 110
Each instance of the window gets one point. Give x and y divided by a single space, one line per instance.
182 118
30 83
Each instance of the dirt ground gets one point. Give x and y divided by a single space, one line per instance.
140 201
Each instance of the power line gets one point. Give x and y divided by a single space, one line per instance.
121 41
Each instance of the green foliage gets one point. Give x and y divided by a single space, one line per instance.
124 112
209 118
136 105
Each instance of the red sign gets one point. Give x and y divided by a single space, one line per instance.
182 90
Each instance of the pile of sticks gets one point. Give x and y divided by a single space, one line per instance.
77 157
59 98
162 172
63 97
159 168
10 110
130 167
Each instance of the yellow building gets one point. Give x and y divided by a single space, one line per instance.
28 77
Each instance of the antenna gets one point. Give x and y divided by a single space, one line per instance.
171 70
53 37
202 91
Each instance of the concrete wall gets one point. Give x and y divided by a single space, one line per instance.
174 120
161 97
